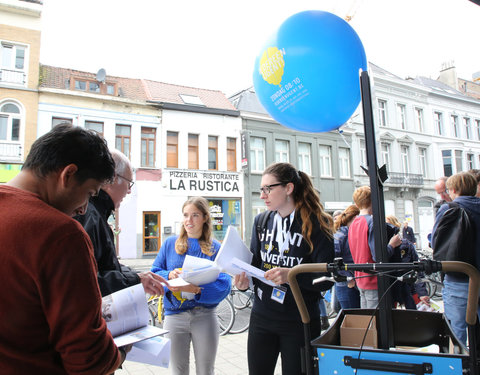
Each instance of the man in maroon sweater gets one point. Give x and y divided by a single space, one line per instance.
50 310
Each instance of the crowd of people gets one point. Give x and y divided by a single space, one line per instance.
51 317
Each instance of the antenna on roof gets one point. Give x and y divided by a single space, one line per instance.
101 75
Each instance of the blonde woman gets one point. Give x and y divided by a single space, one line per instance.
192 319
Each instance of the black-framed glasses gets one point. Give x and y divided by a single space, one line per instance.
268 188
130 182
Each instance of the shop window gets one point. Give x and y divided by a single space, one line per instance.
151 232
225 212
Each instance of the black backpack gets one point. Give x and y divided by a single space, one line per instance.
455 236
262 222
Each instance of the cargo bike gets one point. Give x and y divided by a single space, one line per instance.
410 330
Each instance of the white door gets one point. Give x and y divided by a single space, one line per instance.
426 221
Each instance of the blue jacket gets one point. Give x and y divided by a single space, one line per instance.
472 206
342 249
168 259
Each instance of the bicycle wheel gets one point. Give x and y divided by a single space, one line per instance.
242 319
242 299
225 315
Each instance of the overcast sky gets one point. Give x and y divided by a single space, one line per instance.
212 44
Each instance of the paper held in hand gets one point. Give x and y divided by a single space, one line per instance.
126 314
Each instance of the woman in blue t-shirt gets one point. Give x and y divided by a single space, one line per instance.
190 314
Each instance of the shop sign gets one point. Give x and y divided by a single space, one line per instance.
204 182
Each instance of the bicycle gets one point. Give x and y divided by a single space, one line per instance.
225 315
155 308
242 302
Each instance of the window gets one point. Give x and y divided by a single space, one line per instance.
404 150
458 160
438 120
172 150
419 119
60 120
382 112
80 85
344 162
452 161
148 140
151 232
385 150
402 115
193 151
468 127
325 161
305 157
192 99
447 162
470 162
10 119
232 154
281 151
93 87
257 154
422 154
363 153
212 152
122 139
477 129
95 125
13 64
455 129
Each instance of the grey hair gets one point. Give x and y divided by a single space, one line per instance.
121 162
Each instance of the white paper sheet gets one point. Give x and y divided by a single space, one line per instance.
154 351
241 266
232 247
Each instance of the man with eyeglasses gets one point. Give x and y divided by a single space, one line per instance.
113 276
441 190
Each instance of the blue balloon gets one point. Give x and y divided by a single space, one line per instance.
307 74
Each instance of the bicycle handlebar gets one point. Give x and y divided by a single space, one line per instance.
427 266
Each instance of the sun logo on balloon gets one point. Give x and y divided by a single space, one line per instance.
271 65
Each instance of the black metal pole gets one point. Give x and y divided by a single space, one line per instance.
385 338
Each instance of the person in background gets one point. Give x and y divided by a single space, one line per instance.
362 247
462 188
190 311
297 231
346 291
113 276
51 308
407 294
441 189
408 234
476 174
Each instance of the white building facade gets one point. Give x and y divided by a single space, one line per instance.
178 149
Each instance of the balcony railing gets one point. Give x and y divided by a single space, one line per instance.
12 76
404 179
10 151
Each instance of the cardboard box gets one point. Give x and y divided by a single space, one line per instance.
353 329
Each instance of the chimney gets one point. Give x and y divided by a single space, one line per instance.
448 74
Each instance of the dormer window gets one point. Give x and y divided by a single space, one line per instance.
192 100
82 84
